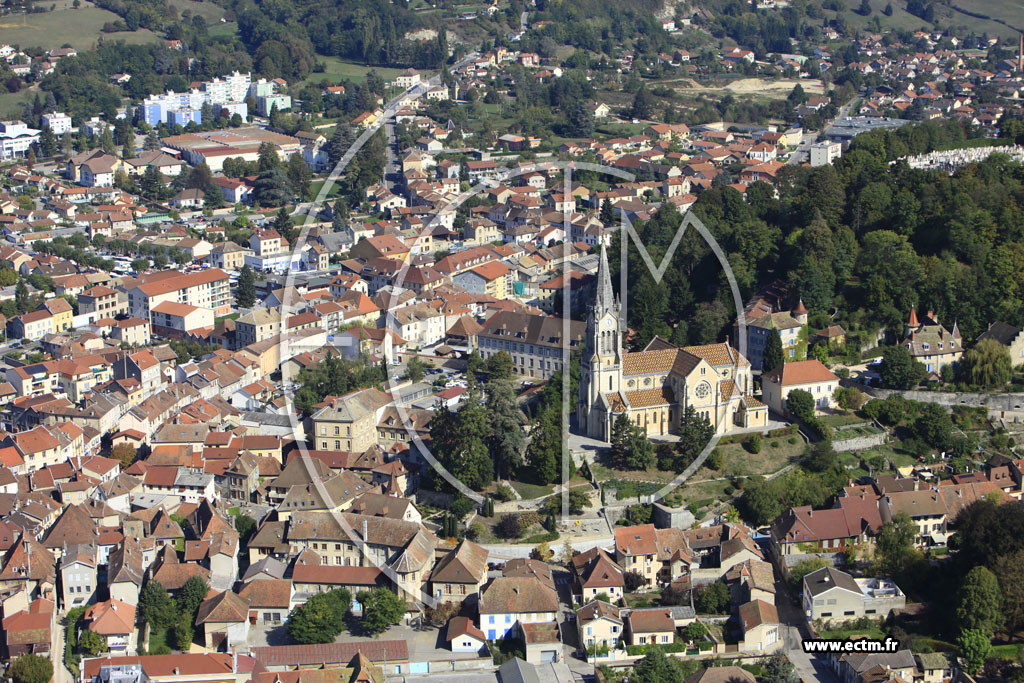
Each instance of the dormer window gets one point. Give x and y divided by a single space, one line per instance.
925 346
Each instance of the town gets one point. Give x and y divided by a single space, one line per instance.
523 352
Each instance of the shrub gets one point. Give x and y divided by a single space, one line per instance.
716 460
792 440
509 526
753 444
775 444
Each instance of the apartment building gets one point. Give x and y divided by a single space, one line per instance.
349 423
204 289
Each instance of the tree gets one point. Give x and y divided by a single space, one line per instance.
607 212
156 606
124 453
460 442
630 448
779 669
895 542
545 446
190 595
987 365
800 404
415 369
695 431
300 175
1009 570
934 426
506 439
31 668
643 104
184 632
802 569
267 158
899 370
21 299
381 609
499 366
321 618
633 580
656 667
91 643
542 552
246 528
980 602
245 293
271 188
284 226
975 646
442 614
140 265
773 355
339 215
711 598
579 119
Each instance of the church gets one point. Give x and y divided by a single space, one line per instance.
654 387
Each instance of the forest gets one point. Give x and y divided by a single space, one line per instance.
861 242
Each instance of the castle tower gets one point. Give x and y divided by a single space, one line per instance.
602 357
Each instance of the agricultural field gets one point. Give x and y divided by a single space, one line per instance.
79 28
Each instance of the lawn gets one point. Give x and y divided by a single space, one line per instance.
852 432
78 27
740 463
528 491
314 189
874 632
336 70
838 421
604 473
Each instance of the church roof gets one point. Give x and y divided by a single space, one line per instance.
648 362
649 398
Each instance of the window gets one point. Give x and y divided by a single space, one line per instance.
490 619
643 640
664 639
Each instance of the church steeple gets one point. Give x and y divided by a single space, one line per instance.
605 299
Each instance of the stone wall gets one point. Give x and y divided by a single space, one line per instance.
1008 407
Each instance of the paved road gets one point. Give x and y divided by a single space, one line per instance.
803 150
808 667
61 674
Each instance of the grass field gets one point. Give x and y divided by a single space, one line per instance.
12 103
207 10
79 28
337 70
1006 10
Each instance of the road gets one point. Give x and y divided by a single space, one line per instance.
61 674
803 150
391 167
522 20
794 631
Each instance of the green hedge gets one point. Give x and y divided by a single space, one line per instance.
639 650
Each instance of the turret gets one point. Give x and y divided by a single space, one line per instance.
800 312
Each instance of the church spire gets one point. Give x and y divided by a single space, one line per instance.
605 300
